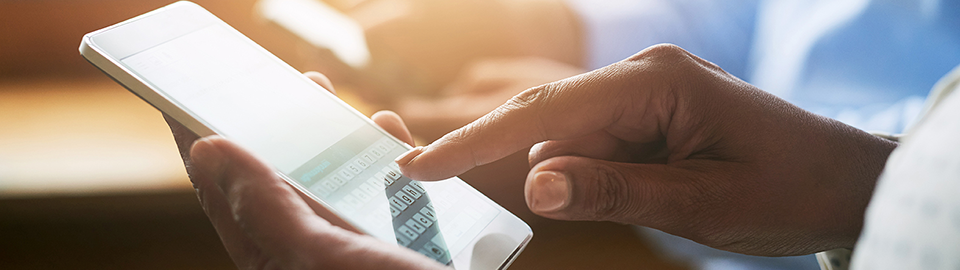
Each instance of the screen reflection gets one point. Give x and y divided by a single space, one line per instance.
415 220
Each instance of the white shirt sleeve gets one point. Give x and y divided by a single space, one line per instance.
913 220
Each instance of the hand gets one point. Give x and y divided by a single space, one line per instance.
417 46
668 140
478 89
481 87
265 224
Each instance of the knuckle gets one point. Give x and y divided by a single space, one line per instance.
241 206
460 137
529 98
244 198
670 60
608 199
664 51
704 215
532 105
667 49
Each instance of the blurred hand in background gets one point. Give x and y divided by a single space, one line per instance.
481 87
419 46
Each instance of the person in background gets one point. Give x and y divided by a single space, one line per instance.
867 63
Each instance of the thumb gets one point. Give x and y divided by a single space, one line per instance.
580 188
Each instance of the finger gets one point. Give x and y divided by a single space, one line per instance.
321 79
282 225
243 251
393 124
561 110
641 91
579 188
183 137
266 208
599 145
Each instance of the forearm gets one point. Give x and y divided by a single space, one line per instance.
844 173
868 158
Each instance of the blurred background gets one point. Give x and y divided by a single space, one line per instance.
90 177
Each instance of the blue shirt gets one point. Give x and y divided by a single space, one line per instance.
866 63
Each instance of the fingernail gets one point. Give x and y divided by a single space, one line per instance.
409 156
206 158
548 191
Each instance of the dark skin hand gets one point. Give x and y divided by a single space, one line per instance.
264 223
667 140
663 139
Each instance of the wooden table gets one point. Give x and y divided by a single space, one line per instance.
68 138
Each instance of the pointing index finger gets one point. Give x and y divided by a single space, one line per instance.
565 109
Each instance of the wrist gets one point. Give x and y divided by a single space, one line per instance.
866 163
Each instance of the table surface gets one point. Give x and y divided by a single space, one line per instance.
70 137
